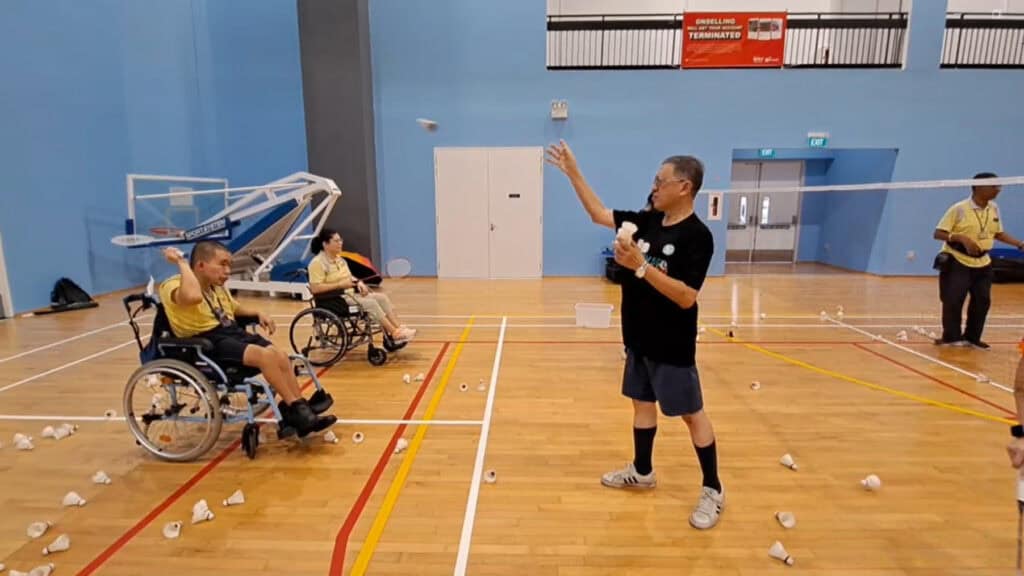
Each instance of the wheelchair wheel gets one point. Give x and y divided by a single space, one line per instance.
250 439
172 410
376 356
319 335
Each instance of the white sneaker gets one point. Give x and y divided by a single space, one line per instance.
628 478
708 509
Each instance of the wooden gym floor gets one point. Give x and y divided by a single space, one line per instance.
550 422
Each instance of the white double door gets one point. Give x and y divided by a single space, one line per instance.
489 205
764 226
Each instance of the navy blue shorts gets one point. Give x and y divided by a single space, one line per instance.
675 388
229 344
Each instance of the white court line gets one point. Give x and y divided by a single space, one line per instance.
931 359
68 365
481 450
46 417
42 417
59 342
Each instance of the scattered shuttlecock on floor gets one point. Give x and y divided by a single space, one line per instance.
901 336
839 309
490 477
982 378
779 553
919 330
406 378
110 414
482 386
823 315
73 499
71 428
420 377
933 335
733 324
401 445
788 462
48 432
871 483
330 437
61 433
19 436
787 519
14 572
24 443
755 385
235 499
697 339
703 329
37 529
463 387
172 530
357 438
763 315
62 543
100 477
43 570
839 315
201 512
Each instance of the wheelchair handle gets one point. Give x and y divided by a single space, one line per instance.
146 300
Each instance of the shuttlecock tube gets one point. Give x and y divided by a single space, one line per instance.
778 552
62 543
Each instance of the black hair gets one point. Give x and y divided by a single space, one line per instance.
689 168
204 251
317 244
983 176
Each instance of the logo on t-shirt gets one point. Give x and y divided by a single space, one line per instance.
668 250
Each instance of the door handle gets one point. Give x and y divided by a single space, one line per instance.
492 226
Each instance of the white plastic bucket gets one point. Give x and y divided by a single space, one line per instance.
593 315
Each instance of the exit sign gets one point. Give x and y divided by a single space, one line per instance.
766 153
817 140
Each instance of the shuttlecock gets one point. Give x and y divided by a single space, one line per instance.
330 437
406 378
48 432
788 462
19 437
37 529
62 543
44 570
23 443
824 315
755 385
763 315
839 314
100 477
235 499
73 499
779 553
110 414
490 477
787 519
401 445
463 387
357 438
871 483
626 231
702 329
982 378
933 335
901 336
71 428
61 433
17 573
201 512
483 385
919 330
839 309
172 530
420 377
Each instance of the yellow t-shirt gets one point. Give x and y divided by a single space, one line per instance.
326 270
981 224
187 321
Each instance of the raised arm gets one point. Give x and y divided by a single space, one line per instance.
189 292
560 156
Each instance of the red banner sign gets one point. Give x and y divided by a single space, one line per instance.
733 39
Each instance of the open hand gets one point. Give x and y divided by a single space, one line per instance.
267 323
561 156
628 254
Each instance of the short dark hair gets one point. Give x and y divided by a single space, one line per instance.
205 250
688 167
316 245
983 176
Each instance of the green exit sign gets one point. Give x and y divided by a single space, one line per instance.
817 140
766 153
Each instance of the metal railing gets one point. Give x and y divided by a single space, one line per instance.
983 40
835 40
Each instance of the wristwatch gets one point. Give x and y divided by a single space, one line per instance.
641 270
1017 431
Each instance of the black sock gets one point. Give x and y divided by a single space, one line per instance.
643 446
709 465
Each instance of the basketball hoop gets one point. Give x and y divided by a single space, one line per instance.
167 232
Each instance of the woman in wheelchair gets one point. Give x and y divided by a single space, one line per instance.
197 305
331 281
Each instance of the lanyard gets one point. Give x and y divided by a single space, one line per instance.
218 310
981 225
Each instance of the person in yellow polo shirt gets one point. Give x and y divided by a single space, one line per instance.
328 272
968 231
198 305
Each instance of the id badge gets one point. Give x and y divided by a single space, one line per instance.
983 236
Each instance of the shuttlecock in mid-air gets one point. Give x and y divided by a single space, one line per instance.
871 482
73 499
235 499
788 462
62 543
201 512
787 519
427 124
779 553
37 529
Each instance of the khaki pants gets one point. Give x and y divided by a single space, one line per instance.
377 305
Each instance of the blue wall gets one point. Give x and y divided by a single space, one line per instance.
485 82
95 90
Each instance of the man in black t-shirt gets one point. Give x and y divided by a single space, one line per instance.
669 254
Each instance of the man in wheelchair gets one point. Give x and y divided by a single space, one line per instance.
331 280
198 306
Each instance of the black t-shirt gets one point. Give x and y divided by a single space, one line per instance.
652 325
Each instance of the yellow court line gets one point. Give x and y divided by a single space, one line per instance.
866 384
377 529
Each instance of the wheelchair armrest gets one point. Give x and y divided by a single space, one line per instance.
246 321
196 343
329 294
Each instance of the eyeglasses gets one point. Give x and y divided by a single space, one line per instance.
658 183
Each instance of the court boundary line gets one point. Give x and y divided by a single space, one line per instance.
462 558
341 421
63 341
921 355
109 552
67 365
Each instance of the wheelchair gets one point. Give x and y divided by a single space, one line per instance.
178 400
325 332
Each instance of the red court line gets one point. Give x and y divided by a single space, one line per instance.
701 343
937 380
174 497
341 540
